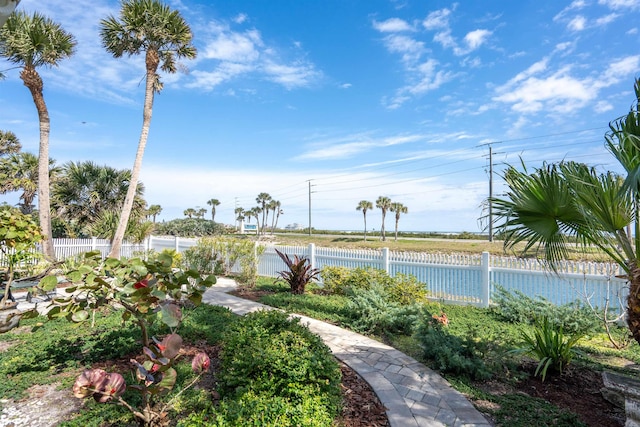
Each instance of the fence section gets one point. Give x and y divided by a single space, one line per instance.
467 279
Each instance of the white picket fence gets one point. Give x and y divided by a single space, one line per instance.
452 278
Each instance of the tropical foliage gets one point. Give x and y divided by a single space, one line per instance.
299 272
384 204
364 206
556 205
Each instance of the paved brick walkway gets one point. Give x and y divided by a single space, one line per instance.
414 395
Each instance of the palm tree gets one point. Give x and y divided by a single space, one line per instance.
32 42
20 172
83 191
239 212
9 143
364 206
201 212
263 199
152 28
558 204
383 203
153 211
277 211
398 208
189 213
213 203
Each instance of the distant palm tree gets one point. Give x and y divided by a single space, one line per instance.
152 28
364 206
189 213
398 208
153 211
239 212
201 212
32 42
383 203
263 199
277 211
213 203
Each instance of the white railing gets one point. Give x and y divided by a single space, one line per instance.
454 278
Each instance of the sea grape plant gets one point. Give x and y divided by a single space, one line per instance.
155 376
148 290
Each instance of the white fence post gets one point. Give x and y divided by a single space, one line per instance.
94 243
486 276
176 243
312 255
385 259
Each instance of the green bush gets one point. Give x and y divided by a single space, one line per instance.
189 227
449 353
573 318
339 280
403 289
203 258
549 345
269 355
373 311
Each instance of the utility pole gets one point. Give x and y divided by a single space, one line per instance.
491 153
309 181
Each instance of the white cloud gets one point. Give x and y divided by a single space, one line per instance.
577 24
534 90
437 20
342 147
240 18
410 49
602 107
392 25
476 38
620 4
230 54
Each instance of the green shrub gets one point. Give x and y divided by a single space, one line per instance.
549 345
573 318
203 257
406 289
266 410
270 355
373 311
449 353
299 272
403 289
339 280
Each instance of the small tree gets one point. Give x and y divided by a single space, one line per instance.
18 235
384 204
398 208
364 206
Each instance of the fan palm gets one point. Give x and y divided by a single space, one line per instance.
384 204
364 206
153 211
399 209
213 203
31 42
85 190
556 204
263 200
152 28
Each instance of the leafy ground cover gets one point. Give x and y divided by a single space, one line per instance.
473 351
58 351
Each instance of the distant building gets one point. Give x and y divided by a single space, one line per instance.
294 226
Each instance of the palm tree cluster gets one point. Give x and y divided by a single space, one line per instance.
266 206
146 27
550 208
384 204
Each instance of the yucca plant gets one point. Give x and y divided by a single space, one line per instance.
299 274
550 346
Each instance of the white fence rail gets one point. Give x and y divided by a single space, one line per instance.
465 279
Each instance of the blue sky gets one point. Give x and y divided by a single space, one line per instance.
361 98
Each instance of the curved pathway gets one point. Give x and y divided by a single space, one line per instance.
414 395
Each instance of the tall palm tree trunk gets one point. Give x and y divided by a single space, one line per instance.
365 226
33 82
633 302
152 60
396 235
384 238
